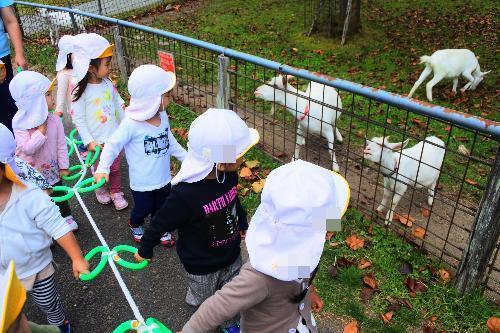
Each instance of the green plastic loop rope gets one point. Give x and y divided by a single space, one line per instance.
73 176
92 156
100 266
127 264
69 193
72 135
71 148
88 185
152 324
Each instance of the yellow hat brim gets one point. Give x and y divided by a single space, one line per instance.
13 299
254 139
108 52
52 85
10 175
343 189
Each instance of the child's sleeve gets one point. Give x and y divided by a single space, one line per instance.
62 90
113 147
174 213
175 147
78 109
29 144
242 215
62 148
244 291
46 215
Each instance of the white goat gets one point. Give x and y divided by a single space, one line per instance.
56 19
450 63
418 166
311 117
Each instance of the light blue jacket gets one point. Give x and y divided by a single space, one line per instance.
4 41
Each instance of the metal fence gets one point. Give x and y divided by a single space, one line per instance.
211 75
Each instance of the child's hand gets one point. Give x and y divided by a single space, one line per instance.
243 234
58 113
139 258
63 172
316 301
91 146
99 176
43 127
80 266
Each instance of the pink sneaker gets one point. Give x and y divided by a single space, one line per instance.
103 196
119 201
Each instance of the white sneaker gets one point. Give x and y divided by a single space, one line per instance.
72 223
167 240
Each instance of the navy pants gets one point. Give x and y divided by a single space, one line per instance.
147 203
8 106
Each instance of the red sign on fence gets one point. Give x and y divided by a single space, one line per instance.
166 61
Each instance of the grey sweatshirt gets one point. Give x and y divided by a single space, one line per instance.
265 305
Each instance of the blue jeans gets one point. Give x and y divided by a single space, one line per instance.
147 203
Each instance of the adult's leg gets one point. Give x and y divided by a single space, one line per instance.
9 108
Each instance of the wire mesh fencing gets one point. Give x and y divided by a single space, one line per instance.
418 168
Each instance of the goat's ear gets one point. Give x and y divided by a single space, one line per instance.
397 145
405 143
483 74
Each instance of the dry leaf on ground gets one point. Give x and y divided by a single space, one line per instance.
418 232
406 219
354 242
344 262
245 172
367 294
370 281
364 264
182 132
444 275
415 286
252 164
258 185
244 191
425 212
470 181
386 317
493 325
334 244
463 150
329 235
352 327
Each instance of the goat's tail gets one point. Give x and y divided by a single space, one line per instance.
425 60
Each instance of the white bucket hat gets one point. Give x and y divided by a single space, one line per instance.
85 48
65 47
28 89
216 136
287 232
146 85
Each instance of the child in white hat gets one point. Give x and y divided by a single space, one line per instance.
204 206
274 292
64 70
29 221
97 108
145 133
39 135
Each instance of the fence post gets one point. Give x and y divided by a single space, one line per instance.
223 91
120 54
99 6
483 237
72 17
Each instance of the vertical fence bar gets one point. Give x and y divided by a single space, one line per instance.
72 17
99 6
223 91
484 235
120 54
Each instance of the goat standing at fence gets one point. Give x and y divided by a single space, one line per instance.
55 20
450 63
311 117
418 166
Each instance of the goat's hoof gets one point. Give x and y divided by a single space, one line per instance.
387 222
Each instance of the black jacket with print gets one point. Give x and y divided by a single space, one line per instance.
208 216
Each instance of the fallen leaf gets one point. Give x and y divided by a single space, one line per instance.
370 229
354 242
405 268
429 329
425 212
418 232
334 244
370 281
245 172
444 275
333 271
406 303
176 7
366 294
320 52
258 185
360 134
364 264
182 132
352 327
329 235
447 129
386 317
420 123
463 150
295 50
252 164
406 219
434 318
244 191
493 325
344 262
470 181
389 121
394 307
415 286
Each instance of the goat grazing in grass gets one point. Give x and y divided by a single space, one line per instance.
418 166
311 117
56 20
450 63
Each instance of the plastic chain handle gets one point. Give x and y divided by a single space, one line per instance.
69 193
74 175
152 325
71 148
92 156
127 264
98 269
72 135
88 185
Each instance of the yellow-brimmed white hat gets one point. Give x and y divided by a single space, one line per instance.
85 48
216 136
286 237
12 297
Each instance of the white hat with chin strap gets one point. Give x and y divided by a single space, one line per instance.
287 232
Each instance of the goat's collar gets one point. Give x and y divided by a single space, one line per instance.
306 112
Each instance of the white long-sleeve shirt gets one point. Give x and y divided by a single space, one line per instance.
98 112
148 149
